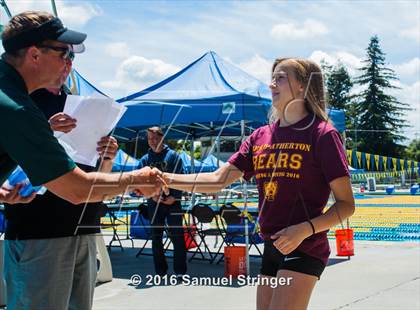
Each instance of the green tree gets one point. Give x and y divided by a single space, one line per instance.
338 85
182 145
380 115
413 150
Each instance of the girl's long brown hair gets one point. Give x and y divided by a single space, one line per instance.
309 74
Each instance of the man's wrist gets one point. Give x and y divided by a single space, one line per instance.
166 177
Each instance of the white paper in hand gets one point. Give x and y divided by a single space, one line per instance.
96 117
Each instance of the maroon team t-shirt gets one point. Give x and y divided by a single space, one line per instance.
293 167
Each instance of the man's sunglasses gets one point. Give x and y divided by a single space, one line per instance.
66 52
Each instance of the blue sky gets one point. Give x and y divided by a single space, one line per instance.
134 44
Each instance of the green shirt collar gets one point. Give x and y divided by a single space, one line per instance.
13 76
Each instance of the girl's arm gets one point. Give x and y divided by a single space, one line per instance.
341 209
204 182
289 238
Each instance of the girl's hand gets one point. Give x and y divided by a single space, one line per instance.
289 238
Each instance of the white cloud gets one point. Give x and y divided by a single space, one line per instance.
258 67
310 28
350 61
409 94
411 33
117 49
319 56
409 68
74 15
77 15
136 73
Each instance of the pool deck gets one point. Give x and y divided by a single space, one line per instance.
382 275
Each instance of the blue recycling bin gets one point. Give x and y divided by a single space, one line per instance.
390 189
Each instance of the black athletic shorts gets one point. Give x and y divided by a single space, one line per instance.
273 260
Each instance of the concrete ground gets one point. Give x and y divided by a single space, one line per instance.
382 275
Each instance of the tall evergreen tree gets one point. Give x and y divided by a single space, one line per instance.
338 85
380 115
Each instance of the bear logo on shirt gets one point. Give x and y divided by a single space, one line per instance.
270 190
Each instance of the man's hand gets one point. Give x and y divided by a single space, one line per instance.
107 148
148 183
169 200
159 174
12 196
62 122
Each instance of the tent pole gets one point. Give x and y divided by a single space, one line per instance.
192 167
245 195
54 8
136 144
6 8
344 145
217 164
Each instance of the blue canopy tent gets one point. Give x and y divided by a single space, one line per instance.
198 165
143 115
211 160
124 162
78 85
219 94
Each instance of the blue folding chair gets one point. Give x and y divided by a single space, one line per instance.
234 228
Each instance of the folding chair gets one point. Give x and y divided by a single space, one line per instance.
203 216
113 224
2 223
140 228
233 226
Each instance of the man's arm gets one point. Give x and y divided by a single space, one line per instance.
78 186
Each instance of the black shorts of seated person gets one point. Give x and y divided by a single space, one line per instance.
273 260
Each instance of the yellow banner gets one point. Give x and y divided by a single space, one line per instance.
368 160
359 159
376 157
385 162
394 163
402 164
349 157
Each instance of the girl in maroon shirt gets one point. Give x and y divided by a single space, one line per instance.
297 161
